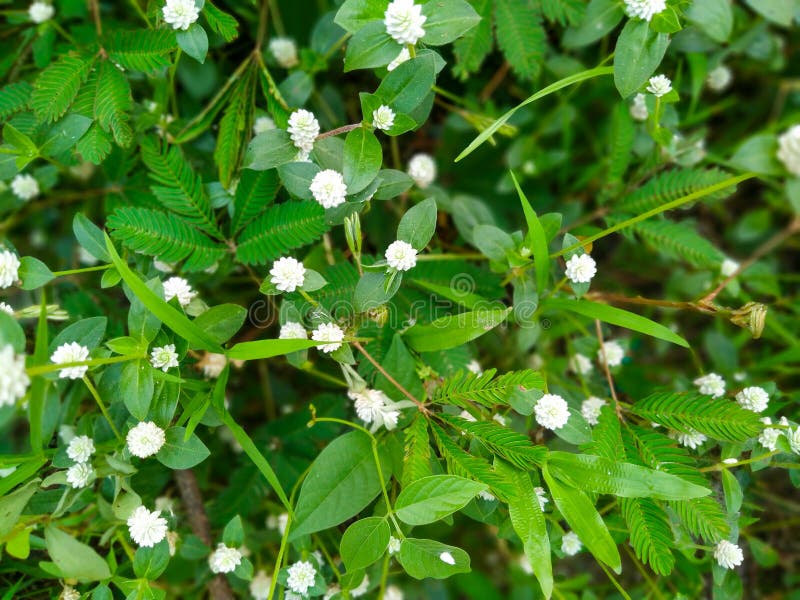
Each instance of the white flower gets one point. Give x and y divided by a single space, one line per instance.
164 267
383 117
69 592
39 12
361 589
581 268
25 187
712 385
394 545
541 496
500 419
178 287
145 439
373 406
80 475
285 51
303 129
487 496
7 308
9 269
293 331
288 274
467 416
551 411
446 557
571 543
525 565
401 255
301 577
70 353
259 585
165 504
404 20
613 353
332 590
644 9
789 149
728 555
720 78
263 124
80 448
328 188
768 437
474 366
753 398
659 85
691 439
402 57
638 108
590 409
162 127
422 169
580 364
392 593
180 13
14 381
278 522
147 528
212 364
164 357
793 435
328 332
728 267
224 559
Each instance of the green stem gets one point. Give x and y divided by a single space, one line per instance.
82 270
279 559
101 404
442 257
722 465
43 369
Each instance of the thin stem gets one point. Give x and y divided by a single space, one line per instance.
606 369
125 545
94 6
101 404
82 270
752 459
325 377
279 558
443 257
389 378
338 130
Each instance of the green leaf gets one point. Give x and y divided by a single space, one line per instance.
780 12
194 41
432 498
150 563
637 55
713 17
233 534
341 482
375 289
364 543
536 240
222 322
600 18
180 453
733 492
759 155
493 242
370 47
520 35
616 316
417 451
296 177
464 387
267 348
254 192
680 241
74 559
651 533
363 158
112 102
95 145
145 50
473 47
90 236
355 14
33 273
406 88
87 332
14 97
418 224
220 22
137 387
454 330
12 505
269 149
234 127
11 333
422 559
447 20
56 87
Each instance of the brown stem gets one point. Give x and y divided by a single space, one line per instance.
338 130
389 378
262 24
218 587
494 82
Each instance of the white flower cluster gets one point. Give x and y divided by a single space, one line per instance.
659 85
422 169
39 12
147 528
288 274
644 9
80 475
375 407
263 124
728 267
259 585
14 380
331 334
401 255
571 543
590 409
691 438
285 52
728 555
71 353
719 78
580 364
789 149
551 411
711 384
402 57
164 357
9 268
394 545
581 268
224 559
768 437
541 496
638 108
292 330
301 577
7 308
383 117
178 287
25 187
180 13
753 398
611 353
145 439
303 129
404 20
212 364
328 188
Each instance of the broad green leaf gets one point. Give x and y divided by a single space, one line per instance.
733 492
423 558
362 159
11 333
600 18
269 149
180 453
355 14
447 20
370 47
493 242
418 225
90 236
87 332
637 55
33 273
150 563
713 17
266 348
137 387
233 534
74 559
194 41
221 322
780 12
12 505
454 330
372 291
405 89
758 154
364 542
536 240
432 498
65 134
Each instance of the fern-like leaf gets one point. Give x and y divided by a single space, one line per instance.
520 35
502 441
472 48
165 236
145 50
233 129
679 241
671 185
564 12
112 102
221 22
650 531
281 228
255 191
95 144
465 387
622 134
14 97
57 86
417 457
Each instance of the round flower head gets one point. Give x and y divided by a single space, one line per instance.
7 308
659 85
551 411
581 268
401 255
293 331
394 545
70 353
285 52
691 438
580 364
612 352
330 333
69 593
447 558
474 366
793 435
383 117
80 475
25 187
180 13
14 380
571 543
728 555
590 409
259 585
288 274
303 129
789 149
422 169
644 9
402 57
719 78
712 385
39 12
80 448
212 364
278 522
768 437
393 593
301 577
178 287
373 406
147 528
328 188
541 497
753 398
164 358
224 559
9 269
263 124
638 108
145 439
728 267
404 20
